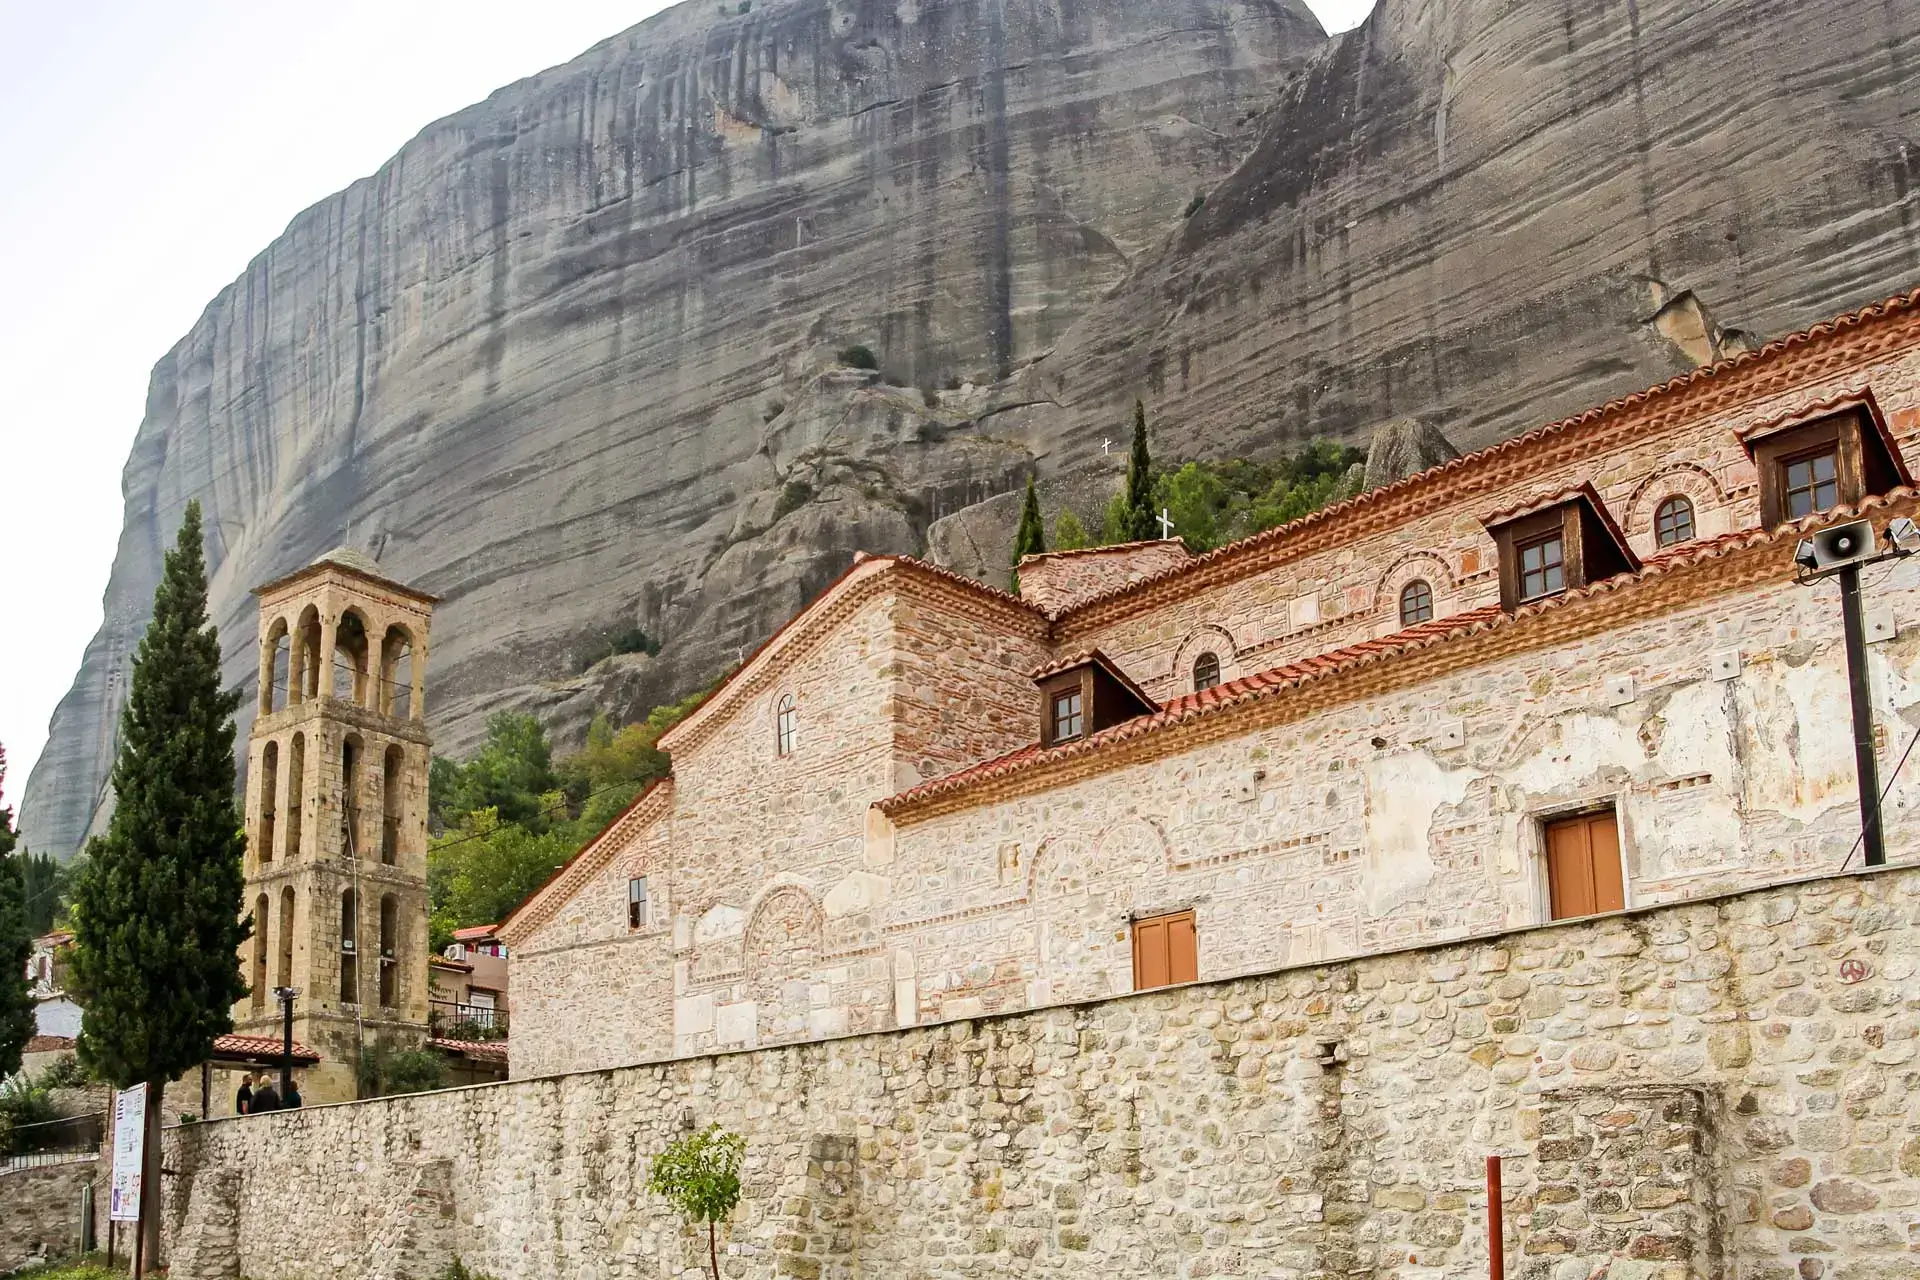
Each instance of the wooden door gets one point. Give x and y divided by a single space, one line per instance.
1583 865
1165 951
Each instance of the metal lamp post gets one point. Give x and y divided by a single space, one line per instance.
286 997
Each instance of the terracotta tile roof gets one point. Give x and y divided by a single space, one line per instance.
1582 492
47 1044
1862 399
1272 683
1095 657
1103 550
1480 457
474 931
861 562
655 790
254 1048
479 1050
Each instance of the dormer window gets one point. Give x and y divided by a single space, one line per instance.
1836 456
1557 542
1084 694
1543 566
1069 721
1811 483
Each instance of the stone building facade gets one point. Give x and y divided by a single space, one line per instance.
1383 726
1720 1089
336 812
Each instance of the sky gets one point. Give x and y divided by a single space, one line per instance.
149 152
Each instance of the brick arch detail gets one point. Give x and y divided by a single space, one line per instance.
1430 566
1207 637
1687 480
789 906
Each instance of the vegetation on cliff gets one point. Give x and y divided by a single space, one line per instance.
511 814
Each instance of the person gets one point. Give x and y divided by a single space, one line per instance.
265 1098
292 1098
244 1096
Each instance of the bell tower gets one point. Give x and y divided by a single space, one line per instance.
336 809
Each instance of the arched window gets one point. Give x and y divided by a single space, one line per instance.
1206 671
286 936
349 948
1416 603
259 978
389 940
296 790
390 767
351 751
786 726
1673 521
269 788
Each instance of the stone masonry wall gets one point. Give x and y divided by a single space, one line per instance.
1719 1088
40 1211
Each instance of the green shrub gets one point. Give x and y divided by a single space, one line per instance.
773 410
859 357
1195 205
796 494
954 383
386 1069
65 1073
700 1174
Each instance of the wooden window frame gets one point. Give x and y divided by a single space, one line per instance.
1213 659
1861 465
786 725
639 908
1425 602
1682 508
1591 546
1176 972
1544 825
1068 708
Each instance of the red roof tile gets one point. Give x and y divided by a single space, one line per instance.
479 1050
1267 684
47 1044
474 931
1435 475
260 1047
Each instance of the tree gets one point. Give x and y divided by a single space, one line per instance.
157 911
482 869
1068 533
1031 537
1194 497
512 773
387 1068
16 945
700 1174
48 885
1142 521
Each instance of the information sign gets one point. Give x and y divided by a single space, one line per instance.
129 1153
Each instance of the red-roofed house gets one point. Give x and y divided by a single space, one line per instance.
1567 675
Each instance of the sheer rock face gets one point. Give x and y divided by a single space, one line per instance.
541 360
531 362
1495 215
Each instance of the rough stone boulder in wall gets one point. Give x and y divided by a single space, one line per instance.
530 361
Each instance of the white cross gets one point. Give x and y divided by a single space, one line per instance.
1166 524
1106 444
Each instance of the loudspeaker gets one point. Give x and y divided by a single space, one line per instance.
1843 544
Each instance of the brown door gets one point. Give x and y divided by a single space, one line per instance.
1583 865
1165 951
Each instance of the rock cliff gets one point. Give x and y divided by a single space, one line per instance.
567 360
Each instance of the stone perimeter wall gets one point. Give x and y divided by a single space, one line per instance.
1717 1089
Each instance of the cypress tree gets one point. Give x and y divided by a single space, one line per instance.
1142 520
157 908
16 945
1031 539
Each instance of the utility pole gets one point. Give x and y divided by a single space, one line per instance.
1866 765
1841 551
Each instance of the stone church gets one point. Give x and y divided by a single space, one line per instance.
1566 675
